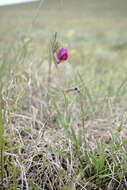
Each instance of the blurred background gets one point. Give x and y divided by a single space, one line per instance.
90 19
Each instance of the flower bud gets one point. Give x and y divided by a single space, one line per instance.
62 54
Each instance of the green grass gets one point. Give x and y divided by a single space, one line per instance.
51 139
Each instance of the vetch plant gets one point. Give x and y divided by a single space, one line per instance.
56 56
57 52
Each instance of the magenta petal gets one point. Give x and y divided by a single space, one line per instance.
62 54
64 57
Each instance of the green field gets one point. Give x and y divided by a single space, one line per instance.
50 139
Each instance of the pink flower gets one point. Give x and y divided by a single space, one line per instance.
62 54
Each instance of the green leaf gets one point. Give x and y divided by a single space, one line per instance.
33 185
